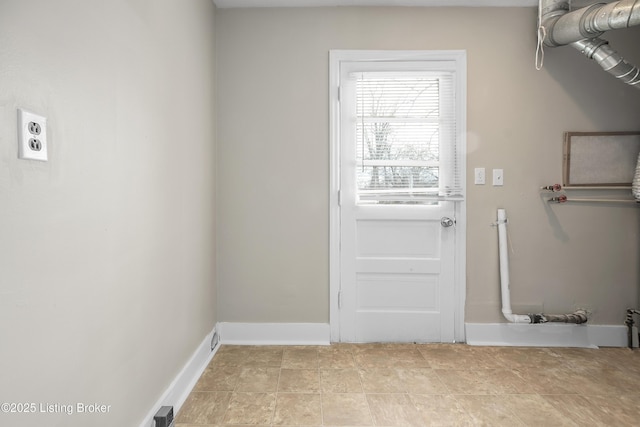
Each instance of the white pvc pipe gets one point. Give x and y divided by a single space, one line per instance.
504 272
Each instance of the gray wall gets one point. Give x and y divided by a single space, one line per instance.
107 280
273 201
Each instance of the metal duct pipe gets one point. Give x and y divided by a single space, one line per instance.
635 184
564 27
610 60
581 28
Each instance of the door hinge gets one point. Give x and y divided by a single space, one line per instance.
339 197
339 299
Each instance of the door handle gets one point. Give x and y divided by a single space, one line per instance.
447 222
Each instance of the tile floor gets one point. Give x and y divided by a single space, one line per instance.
416 385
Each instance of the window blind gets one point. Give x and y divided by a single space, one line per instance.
406 137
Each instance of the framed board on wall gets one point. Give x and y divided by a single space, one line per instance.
600 159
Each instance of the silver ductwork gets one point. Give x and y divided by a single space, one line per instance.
635 184
610 60
581 29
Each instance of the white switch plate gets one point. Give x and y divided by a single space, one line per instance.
32 136
498 177
479 176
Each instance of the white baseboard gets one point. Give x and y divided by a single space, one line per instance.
179 389
546 335
274 333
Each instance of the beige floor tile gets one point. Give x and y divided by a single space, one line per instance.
583 357
421 381
300 358
482 381
533 410
436 384
489 411
555 380
621 358
340 381
229 359
201 425
393 410
609 381
299 381
408 358
505 381
204 408
345 409
372 358
238 350
580 410
440 410
385 357
298 409
268 356
525 358
261 380
250 408
218 378
359 348
623 410
381 380
458 356
335 358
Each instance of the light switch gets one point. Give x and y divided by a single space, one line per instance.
498 177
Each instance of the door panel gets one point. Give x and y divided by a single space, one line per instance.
415 292
397 276
397 238
396 259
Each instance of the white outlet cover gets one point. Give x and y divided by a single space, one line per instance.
32 136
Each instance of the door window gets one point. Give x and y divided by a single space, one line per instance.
404 125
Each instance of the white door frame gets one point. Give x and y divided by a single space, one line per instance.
335 58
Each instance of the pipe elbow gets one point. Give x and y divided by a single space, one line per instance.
515 318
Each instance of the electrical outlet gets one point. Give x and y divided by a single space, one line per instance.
479 176
32 136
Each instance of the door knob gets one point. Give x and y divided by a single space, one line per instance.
446 221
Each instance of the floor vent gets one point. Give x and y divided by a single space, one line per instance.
164 417
214 340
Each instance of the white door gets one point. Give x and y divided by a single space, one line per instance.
397 229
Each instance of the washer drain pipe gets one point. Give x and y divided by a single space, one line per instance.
504 272
580 316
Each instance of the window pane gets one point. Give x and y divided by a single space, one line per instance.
397 96
397 136
397 177
397 141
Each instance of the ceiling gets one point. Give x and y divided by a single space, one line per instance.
420 3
